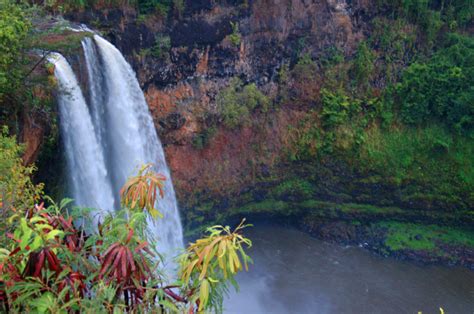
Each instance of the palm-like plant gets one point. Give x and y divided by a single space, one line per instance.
52 266
211 262
140 192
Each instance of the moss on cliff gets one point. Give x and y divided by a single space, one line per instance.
431 238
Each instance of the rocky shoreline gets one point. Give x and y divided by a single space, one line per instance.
375 240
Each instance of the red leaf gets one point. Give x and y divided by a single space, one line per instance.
107 262
39 265
124 262
174 295
130 260
145 265
141 246
117 258
113 246
15 251
70 244
52 261
146 249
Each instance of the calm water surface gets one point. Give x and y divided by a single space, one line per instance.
294 273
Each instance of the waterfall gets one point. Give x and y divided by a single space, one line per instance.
96 93
129 132
85 158
121 134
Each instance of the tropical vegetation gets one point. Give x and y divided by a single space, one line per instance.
55 259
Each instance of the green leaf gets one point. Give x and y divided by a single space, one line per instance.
26 230
44 303
52 234
64 202
204 294
41 227
37 243
36 219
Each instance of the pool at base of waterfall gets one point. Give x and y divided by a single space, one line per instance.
295 273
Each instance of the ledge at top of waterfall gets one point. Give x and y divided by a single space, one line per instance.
111 135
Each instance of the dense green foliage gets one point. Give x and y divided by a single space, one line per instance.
363 67
442 88
13 31
400 112
17 192
108 264
143 7
238 101
424 11
26 84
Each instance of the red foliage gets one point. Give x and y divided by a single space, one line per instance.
75 281
43 259
126 267
39 261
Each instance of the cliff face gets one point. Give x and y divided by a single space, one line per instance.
187 58
275 109
181 83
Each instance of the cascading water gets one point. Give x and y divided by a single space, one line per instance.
129 132
96 93
119 124
85 158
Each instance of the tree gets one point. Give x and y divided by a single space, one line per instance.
17 191
14 28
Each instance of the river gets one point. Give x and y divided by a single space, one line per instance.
295 273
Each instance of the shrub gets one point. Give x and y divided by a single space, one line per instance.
332 56
303 87
14 28
53 265
305 68
17 191
305 140
161 47
395 40
236 102
442 87
363 65
235 36
430 154
160 7
336 108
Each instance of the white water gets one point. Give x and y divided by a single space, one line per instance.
96 93
121 132
130 134
85 158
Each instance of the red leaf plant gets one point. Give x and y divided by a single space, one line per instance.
127 267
